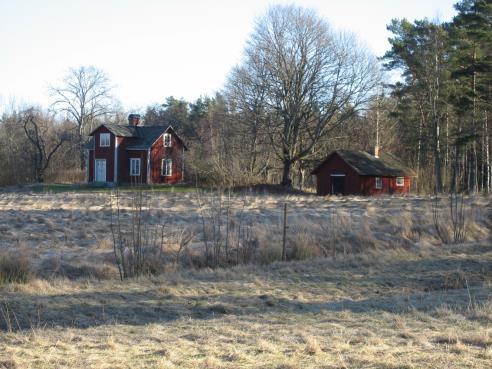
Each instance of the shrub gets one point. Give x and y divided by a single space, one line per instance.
303 245
14 268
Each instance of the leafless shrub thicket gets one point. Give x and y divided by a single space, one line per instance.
145 242
450 222
141 237
332 230
228 236
224 230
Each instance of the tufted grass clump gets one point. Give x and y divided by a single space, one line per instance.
15 268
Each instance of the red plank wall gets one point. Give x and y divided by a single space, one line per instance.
336 165
159 152
389 186
124 166
104 153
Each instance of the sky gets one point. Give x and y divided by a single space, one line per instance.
152 49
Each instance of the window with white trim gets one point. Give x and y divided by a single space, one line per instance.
400 182
167 140
167 167
378 183
104 140
134 166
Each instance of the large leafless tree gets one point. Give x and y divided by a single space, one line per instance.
307 78
84 95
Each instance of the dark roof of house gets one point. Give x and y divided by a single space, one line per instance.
119 130
144 136
366 164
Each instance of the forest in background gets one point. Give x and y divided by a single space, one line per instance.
300 91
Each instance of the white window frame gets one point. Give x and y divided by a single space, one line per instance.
166 140
378 183
107 139
164 173
133 173
400 181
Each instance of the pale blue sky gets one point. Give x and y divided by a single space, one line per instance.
156 48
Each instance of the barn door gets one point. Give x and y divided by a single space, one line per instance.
337 184
100 169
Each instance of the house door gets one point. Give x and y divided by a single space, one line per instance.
100 169
337 184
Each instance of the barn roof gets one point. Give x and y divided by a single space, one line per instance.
144 136
366 164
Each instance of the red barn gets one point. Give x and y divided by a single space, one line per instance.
351 172
135 154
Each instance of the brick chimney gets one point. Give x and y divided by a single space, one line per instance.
134 119
376 151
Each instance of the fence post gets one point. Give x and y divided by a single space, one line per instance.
284 251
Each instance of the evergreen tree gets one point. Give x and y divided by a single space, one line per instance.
471 65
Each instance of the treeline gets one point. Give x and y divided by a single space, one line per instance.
443 103
300 91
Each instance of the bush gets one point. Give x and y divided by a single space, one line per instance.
14 268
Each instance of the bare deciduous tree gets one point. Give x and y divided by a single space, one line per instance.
309 79
84 95
45 144
247 93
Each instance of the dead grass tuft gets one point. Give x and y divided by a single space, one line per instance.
105 244
450 339
478 340
312 346
8 364
264 346
288 365
15 267
211 362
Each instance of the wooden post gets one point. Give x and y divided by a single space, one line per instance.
284 251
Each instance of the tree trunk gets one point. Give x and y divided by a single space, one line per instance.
487 156
419 147
437 158
286 181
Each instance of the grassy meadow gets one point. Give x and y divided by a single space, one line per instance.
394 295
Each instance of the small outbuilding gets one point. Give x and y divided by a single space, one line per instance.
354 172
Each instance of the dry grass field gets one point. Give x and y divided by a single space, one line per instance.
395 297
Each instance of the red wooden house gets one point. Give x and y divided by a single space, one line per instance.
135 154
351 172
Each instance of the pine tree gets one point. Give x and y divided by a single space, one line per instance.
471 64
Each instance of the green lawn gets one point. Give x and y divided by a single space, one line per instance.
59 187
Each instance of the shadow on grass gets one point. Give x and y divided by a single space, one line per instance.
19 311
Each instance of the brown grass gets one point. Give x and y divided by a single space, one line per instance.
374 311
75 227
15 267
394 297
